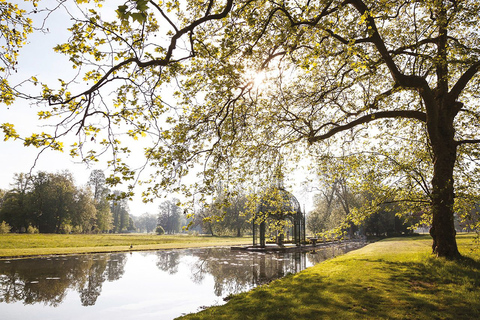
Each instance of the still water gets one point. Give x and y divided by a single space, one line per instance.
140 285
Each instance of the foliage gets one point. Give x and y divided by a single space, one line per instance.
406 70
14 29
65 228
315 222
51 203
228 214
32 230
4 228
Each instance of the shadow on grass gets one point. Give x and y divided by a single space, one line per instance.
431 289
414 237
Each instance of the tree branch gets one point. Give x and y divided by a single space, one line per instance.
154 62
463 81
472 141
406 114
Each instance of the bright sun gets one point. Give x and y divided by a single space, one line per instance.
259 80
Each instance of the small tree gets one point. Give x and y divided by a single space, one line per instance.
4 227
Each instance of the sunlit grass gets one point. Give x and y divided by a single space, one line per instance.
18 245
390 279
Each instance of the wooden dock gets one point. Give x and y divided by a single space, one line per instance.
288 247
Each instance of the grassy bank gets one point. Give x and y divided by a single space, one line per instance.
390 279
21 245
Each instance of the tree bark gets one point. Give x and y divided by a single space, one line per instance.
441 134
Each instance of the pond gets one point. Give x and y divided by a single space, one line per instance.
141 285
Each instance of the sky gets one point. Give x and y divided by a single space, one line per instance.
38 59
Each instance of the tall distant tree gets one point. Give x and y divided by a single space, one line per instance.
333 68
120 213
97 182
84 214
52 203
169 214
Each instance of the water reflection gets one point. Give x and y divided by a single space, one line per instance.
47 280
159 285
236 271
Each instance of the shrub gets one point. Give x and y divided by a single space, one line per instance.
32 230
65 228
159 230
4 227
77 229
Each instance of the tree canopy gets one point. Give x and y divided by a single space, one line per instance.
239 85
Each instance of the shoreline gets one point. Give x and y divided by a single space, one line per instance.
41 245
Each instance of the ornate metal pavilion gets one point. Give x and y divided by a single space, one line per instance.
277 205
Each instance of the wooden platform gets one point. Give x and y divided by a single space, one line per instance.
286 247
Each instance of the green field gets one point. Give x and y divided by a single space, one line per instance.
22 245
391 279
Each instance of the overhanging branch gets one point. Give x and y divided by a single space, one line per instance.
404 114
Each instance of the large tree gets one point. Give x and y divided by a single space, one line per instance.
331 69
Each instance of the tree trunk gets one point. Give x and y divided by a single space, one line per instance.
441 133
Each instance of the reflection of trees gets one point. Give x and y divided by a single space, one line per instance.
47 280
116 266
236 271
168 261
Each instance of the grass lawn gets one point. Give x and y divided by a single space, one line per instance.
21 245
391 279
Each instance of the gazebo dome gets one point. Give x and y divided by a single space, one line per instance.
279 203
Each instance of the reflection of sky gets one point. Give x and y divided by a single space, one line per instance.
144 291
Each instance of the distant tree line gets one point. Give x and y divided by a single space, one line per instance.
52 203
216 218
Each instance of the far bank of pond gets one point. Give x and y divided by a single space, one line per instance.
27 245
141 285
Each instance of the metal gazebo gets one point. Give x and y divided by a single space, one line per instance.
278 204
